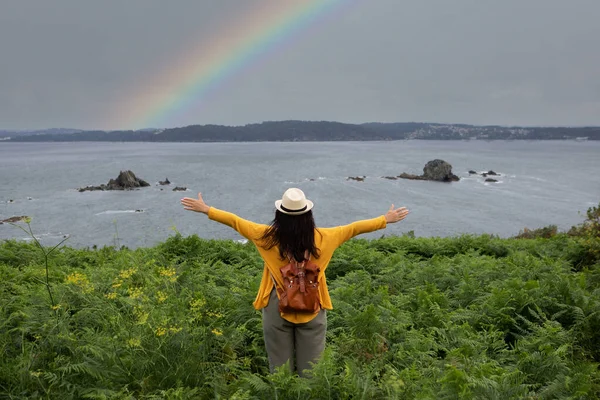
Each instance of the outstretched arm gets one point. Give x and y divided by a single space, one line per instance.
248 229
393 215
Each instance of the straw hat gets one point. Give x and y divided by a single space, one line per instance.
294 202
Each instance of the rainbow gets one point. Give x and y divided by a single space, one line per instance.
204 69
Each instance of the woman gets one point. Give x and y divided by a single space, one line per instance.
293 236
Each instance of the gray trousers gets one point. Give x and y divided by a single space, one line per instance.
285 340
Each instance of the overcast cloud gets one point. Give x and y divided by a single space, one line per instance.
510 62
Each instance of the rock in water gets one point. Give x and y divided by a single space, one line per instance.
435 170
439 170
12 220
125 181
404 175
356 178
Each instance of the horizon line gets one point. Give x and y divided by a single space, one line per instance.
16 130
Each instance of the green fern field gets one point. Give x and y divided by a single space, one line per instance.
469 317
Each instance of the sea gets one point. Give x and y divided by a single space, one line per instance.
540 183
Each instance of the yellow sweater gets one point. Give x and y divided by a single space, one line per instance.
327 241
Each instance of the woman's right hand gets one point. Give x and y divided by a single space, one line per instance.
197 205
395 215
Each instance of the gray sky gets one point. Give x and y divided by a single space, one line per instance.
82 64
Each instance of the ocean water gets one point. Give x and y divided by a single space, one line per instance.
541 183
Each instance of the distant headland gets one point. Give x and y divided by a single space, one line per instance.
307 131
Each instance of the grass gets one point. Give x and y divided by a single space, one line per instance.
469 317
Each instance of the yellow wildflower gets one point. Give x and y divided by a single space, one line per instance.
213 314
168 272
80 280
161 296
217 332
76 278
127 273
135 293
56 307
175 329
117 283
142 318
161 330
134 342
197 304
111 296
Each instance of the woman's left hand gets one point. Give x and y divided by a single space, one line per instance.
395 215
197 205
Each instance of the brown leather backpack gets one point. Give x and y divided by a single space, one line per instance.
300 292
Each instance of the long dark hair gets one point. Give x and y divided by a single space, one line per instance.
292 234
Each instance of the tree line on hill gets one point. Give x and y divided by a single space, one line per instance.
310 131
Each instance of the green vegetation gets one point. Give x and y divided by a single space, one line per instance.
473 317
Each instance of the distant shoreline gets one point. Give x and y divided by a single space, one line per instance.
295 141
308 131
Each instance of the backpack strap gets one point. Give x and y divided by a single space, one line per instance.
274 281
